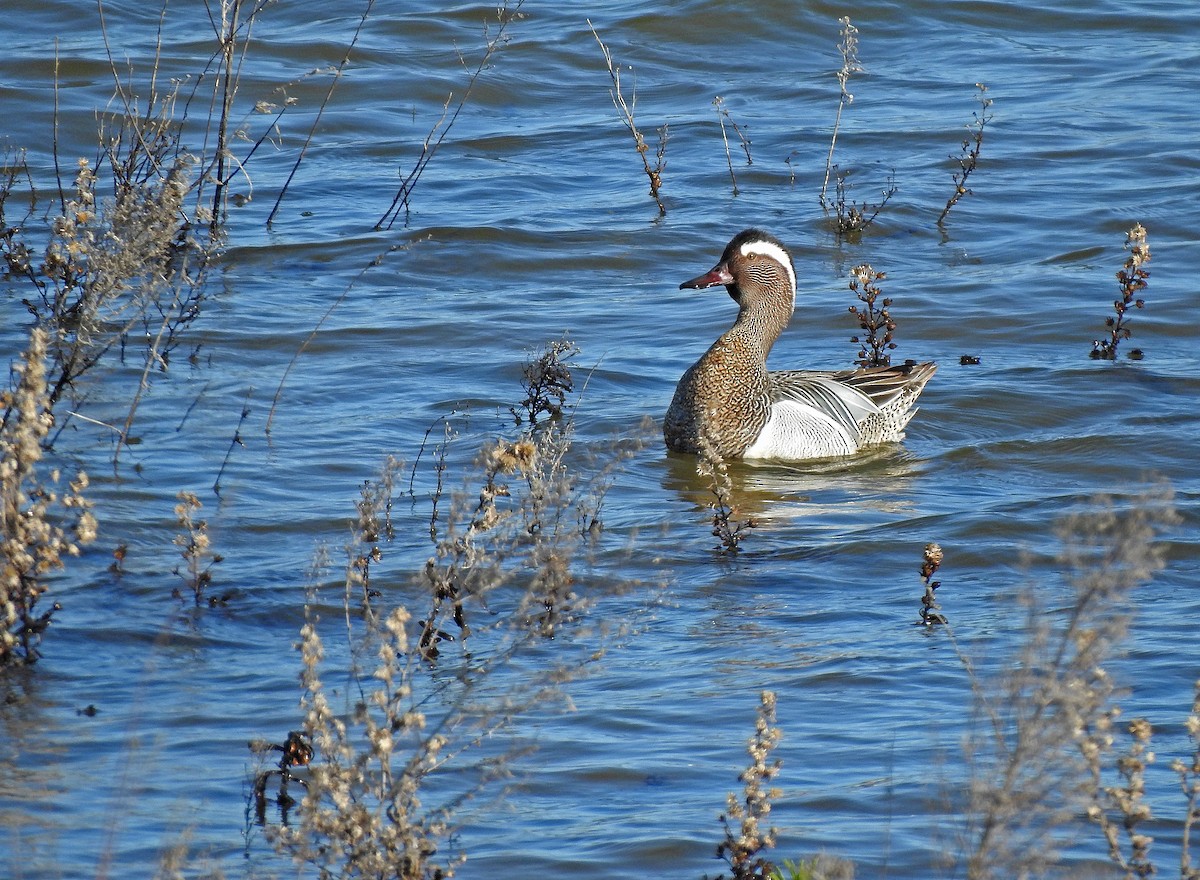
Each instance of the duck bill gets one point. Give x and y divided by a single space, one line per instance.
718 274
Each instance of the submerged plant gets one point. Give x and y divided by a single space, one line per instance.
625 108
722 117
972 145
877 322
1132 279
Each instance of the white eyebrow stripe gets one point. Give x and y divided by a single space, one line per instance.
775 252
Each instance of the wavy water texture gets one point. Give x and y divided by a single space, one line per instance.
534 219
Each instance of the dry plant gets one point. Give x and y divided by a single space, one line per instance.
727 528
968 159
722 117
931 611
526 517
1189 784
547 381
1046 711
296 751
853 217
402 201
1132 279
747 837
34 537
111 268
418 741
876 322
1126 800
196 549
626 108
848 47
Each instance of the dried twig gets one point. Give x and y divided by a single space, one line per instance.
654 173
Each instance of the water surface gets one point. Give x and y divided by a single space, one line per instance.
534 220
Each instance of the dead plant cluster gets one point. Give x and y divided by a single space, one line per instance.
1048 712
40 523
852 217
876 322
507 577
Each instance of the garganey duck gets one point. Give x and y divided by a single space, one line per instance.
729 398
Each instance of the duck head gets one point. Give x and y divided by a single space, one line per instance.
755 265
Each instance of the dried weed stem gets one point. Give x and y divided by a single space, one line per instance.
931 611
626 108
848 47
1132 279
195 547
506 13
722 117
972 145
727 528
1189 784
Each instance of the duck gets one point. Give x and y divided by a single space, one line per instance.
729 404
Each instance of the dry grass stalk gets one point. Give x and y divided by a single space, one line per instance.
747 837
33 538
722 117
626 108
972 145
1132 279
402 201
337 76
877 322
848 47
1048 708
727 528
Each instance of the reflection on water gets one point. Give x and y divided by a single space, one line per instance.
813 495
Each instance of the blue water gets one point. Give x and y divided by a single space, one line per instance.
533 219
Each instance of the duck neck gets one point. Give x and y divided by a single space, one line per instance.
760 321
